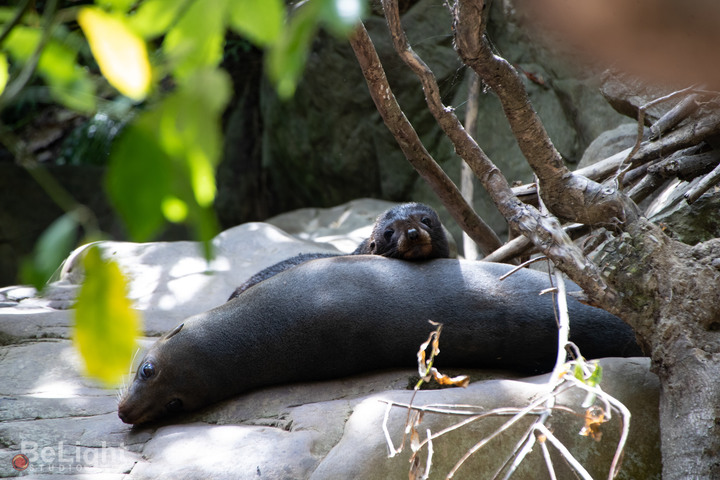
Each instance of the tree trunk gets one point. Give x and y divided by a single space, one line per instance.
672 300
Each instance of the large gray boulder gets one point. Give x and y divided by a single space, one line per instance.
67 425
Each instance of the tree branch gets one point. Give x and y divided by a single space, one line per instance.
413 148
569 196
544 231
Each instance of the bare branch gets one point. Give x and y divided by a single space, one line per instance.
569 196
705 184
412 147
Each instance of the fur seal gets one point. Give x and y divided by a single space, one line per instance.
410 231
339 316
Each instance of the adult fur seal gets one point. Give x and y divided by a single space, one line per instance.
410 231
339 316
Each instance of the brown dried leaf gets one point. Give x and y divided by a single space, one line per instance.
414 440
442 379
594 417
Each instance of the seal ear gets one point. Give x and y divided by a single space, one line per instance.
177 329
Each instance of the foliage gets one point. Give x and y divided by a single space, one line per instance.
105 323
163 56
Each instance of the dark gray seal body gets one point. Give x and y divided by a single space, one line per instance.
409 231
339 316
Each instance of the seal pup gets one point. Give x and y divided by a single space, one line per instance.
339 316
410 231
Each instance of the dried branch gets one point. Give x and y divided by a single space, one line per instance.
569 196
686 107
412 147
710 180
544 231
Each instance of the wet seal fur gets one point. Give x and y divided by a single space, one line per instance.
339 316
410 231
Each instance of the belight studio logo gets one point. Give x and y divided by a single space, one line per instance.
20 462
64 459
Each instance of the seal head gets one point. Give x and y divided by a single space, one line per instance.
165 382
411 231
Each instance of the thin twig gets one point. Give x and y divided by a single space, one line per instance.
564 451
523 265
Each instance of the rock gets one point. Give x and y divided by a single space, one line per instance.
687 223
362 452
328 144
627 94
609 143
68 425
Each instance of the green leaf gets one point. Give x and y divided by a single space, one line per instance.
163 164
260 21
596 376
4 72
51 249
121 6
190 130
287 57
196 41
119 51
139 177
106 326
69 83
578 372
154 17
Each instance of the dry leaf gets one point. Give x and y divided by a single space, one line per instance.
594 417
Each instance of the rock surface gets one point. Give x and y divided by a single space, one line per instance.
67 425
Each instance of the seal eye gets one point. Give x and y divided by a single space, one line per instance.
388 234
427 221
147 370
175 405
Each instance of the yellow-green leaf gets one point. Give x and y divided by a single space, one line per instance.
69 83
196 41
106 326
174 209
259 20
154 17
120 53
4 68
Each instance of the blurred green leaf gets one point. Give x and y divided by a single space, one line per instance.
259 20
120 53
139 177
286 58
174 209
106 326
596 376
51 249
4 72
154 17
196 41
116 5
69 83
163 164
